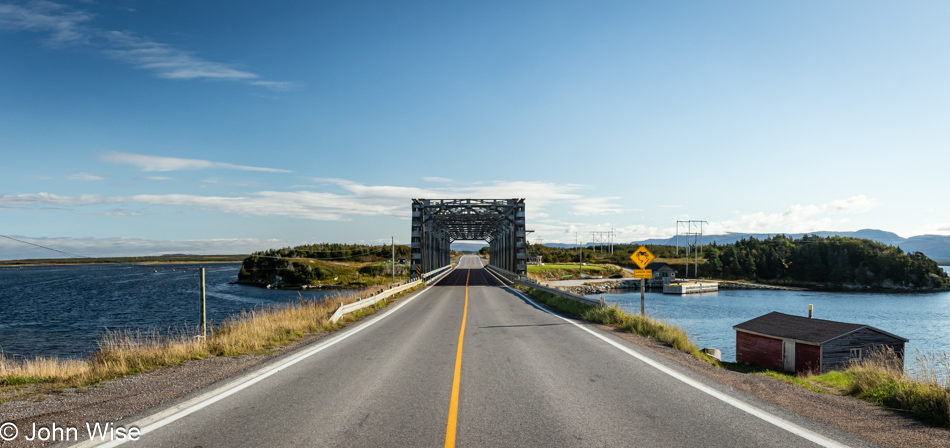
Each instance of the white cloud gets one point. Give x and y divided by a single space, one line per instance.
356 200
798 218
157 178
61 22
84 176
65 26
595 206
437 179
149 163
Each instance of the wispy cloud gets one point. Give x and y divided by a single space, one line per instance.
149 163
157 178
437 179
354 199
66 26
63 23
84 176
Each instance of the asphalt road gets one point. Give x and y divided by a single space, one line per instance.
526 378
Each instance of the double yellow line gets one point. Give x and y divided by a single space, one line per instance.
454 403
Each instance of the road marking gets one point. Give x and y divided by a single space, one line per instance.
169 415
739 404
454 402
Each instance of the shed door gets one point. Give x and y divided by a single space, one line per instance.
788 355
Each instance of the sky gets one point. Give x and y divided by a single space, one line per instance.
147 127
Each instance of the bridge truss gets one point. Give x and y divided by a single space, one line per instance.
436 223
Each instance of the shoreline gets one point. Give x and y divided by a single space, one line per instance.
5 264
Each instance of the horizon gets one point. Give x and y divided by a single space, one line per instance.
134 127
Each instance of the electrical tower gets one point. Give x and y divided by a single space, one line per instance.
694 240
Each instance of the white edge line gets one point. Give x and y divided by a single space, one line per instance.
738 404
171 414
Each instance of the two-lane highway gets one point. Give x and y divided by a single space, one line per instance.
471 363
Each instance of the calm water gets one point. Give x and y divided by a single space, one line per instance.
708 318
61 310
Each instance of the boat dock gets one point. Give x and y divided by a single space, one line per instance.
690 287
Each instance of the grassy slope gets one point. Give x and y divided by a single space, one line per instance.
616 317
122 354
555 271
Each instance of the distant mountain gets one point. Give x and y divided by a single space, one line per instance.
936 247
468 247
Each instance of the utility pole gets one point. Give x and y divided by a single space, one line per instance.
392 239
203 314
580 256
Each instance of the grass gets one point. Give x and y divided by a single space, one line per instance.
925 395
553 267
880 379
631 323
554 271
126 353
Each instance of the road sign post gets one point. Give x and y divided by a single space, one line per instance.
643 304
642 257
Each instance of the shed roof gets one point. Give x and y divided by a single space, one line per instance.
803 329
657 265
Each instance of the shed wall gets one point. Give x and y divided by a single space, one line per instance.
759 350
807 358
837 353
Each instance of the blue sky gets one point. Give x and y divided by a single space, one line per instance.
151 127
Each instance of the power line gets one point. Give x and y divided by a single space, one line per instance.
47 248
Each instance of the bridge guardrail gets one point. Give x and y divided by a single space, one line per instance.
523 280
372 300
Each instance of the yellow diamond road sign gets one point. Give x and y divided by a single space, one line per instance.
642 257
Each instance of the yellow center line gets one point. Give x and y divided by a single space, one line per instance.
454 403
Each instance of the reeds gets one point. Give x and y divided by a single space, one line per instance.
125 352
925 394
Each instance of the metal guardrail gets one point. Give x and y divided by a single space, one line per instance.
372 300
523 280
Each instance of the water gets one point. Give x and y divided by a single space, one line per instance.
61 310
924 318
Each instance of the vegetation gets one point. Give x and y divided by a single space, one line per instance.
561 271
127 353
632 323
832 261
349 265
808 261
880 379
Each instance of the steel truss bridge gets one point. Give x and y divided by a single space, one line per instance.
436 223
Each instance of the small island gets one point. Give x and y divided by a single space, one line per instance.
812 262
326 265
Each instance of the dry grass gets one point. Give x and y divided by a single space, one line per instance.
633 323
880 379
123 353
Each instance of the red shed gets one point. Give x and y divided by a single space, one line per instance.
801 344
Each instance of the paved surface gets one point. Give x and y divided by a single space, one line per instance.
527 378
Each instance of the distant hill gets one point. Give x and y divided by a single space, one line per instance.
468 247
936 247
